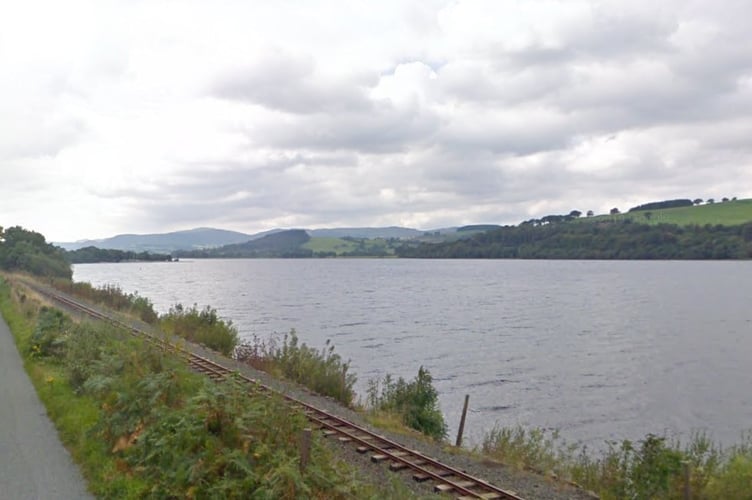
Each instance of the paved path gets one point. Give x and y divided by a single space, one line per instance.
33 462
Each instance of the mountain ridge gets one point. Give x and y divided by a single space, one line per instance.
202 238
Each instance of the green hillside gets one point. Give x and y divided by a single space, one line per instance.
350 247
730 213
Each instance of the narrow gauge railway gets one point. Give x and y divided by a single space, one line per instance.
447 479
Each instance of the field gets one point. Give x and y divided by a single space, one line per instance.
350 246
728 213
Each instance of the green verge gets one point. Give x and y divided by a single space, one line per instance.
141 425
656 467
71 415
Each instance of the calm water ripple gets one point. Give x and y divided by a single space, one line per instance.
600 350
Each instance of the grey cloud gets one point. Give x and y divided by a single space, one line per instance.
288 83
383 129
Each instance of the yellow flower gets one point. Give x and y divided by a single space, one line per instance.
50 379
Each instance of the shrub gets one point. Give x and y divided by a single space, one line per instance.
654 467
201 326
50 333
111 296
541 449
322 371
415 401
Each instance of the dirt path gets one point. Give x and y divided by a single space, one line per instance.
33 462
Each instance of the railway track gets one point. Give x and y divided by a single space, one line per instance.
446 479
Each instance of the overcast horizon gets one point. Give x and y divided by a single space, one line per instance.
151 117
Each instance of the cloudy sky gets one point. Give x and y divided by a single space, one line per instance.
153 115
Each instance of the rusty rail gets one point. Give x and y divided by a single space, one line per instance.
448 479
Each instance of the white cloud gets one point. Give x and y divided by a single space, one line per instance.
153 116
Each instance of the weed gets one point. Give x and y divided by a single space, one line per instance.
652 468
50 333
322 371
201 326
111 296
415 401
143 426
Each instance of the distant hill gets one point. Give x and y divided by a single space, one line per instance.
286 243
717 230
365 232
192 239
478 228
616 239
204 238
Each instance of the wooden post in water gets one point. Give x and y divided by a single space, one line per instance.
462 421
305 448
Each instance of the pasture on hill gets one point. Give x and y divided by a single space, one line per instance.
729 213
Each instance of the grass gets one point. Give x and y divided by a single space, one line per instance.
72 416
335 245
655 467
322 371
416 402
728 213
141 425
200 326
111 296
350 246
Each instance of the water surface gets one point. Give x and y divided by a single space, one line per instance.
598 349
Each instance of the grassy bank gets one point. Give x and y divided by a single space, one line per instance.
655 467
200 326
141 425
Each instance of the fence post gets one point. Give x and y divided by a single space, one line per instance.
687 481
462 422
305 448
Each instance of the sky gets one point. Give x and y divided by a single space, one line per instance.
145 116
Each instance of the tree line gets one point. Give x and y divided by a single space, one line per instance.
28 251
602 240
93 254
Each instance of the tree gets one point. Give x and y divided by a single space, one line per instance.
614 211
697 201
575 213
724 200
22 250
710 201
590 213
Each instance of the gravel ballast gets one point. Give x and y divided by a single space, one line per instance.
525 484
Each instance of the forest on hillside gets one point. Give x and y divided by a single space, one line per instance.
599 240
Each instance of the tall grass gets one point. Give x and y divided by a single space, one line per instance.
655 467
143 426
111 296
416 402
201 326
321 370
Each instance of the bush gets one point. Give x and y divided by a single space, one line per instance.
202 327
50 334
322 371
111 296
417 402
541 449
144 426
652 468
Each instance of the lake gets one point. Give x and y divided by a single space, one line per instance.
597 349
